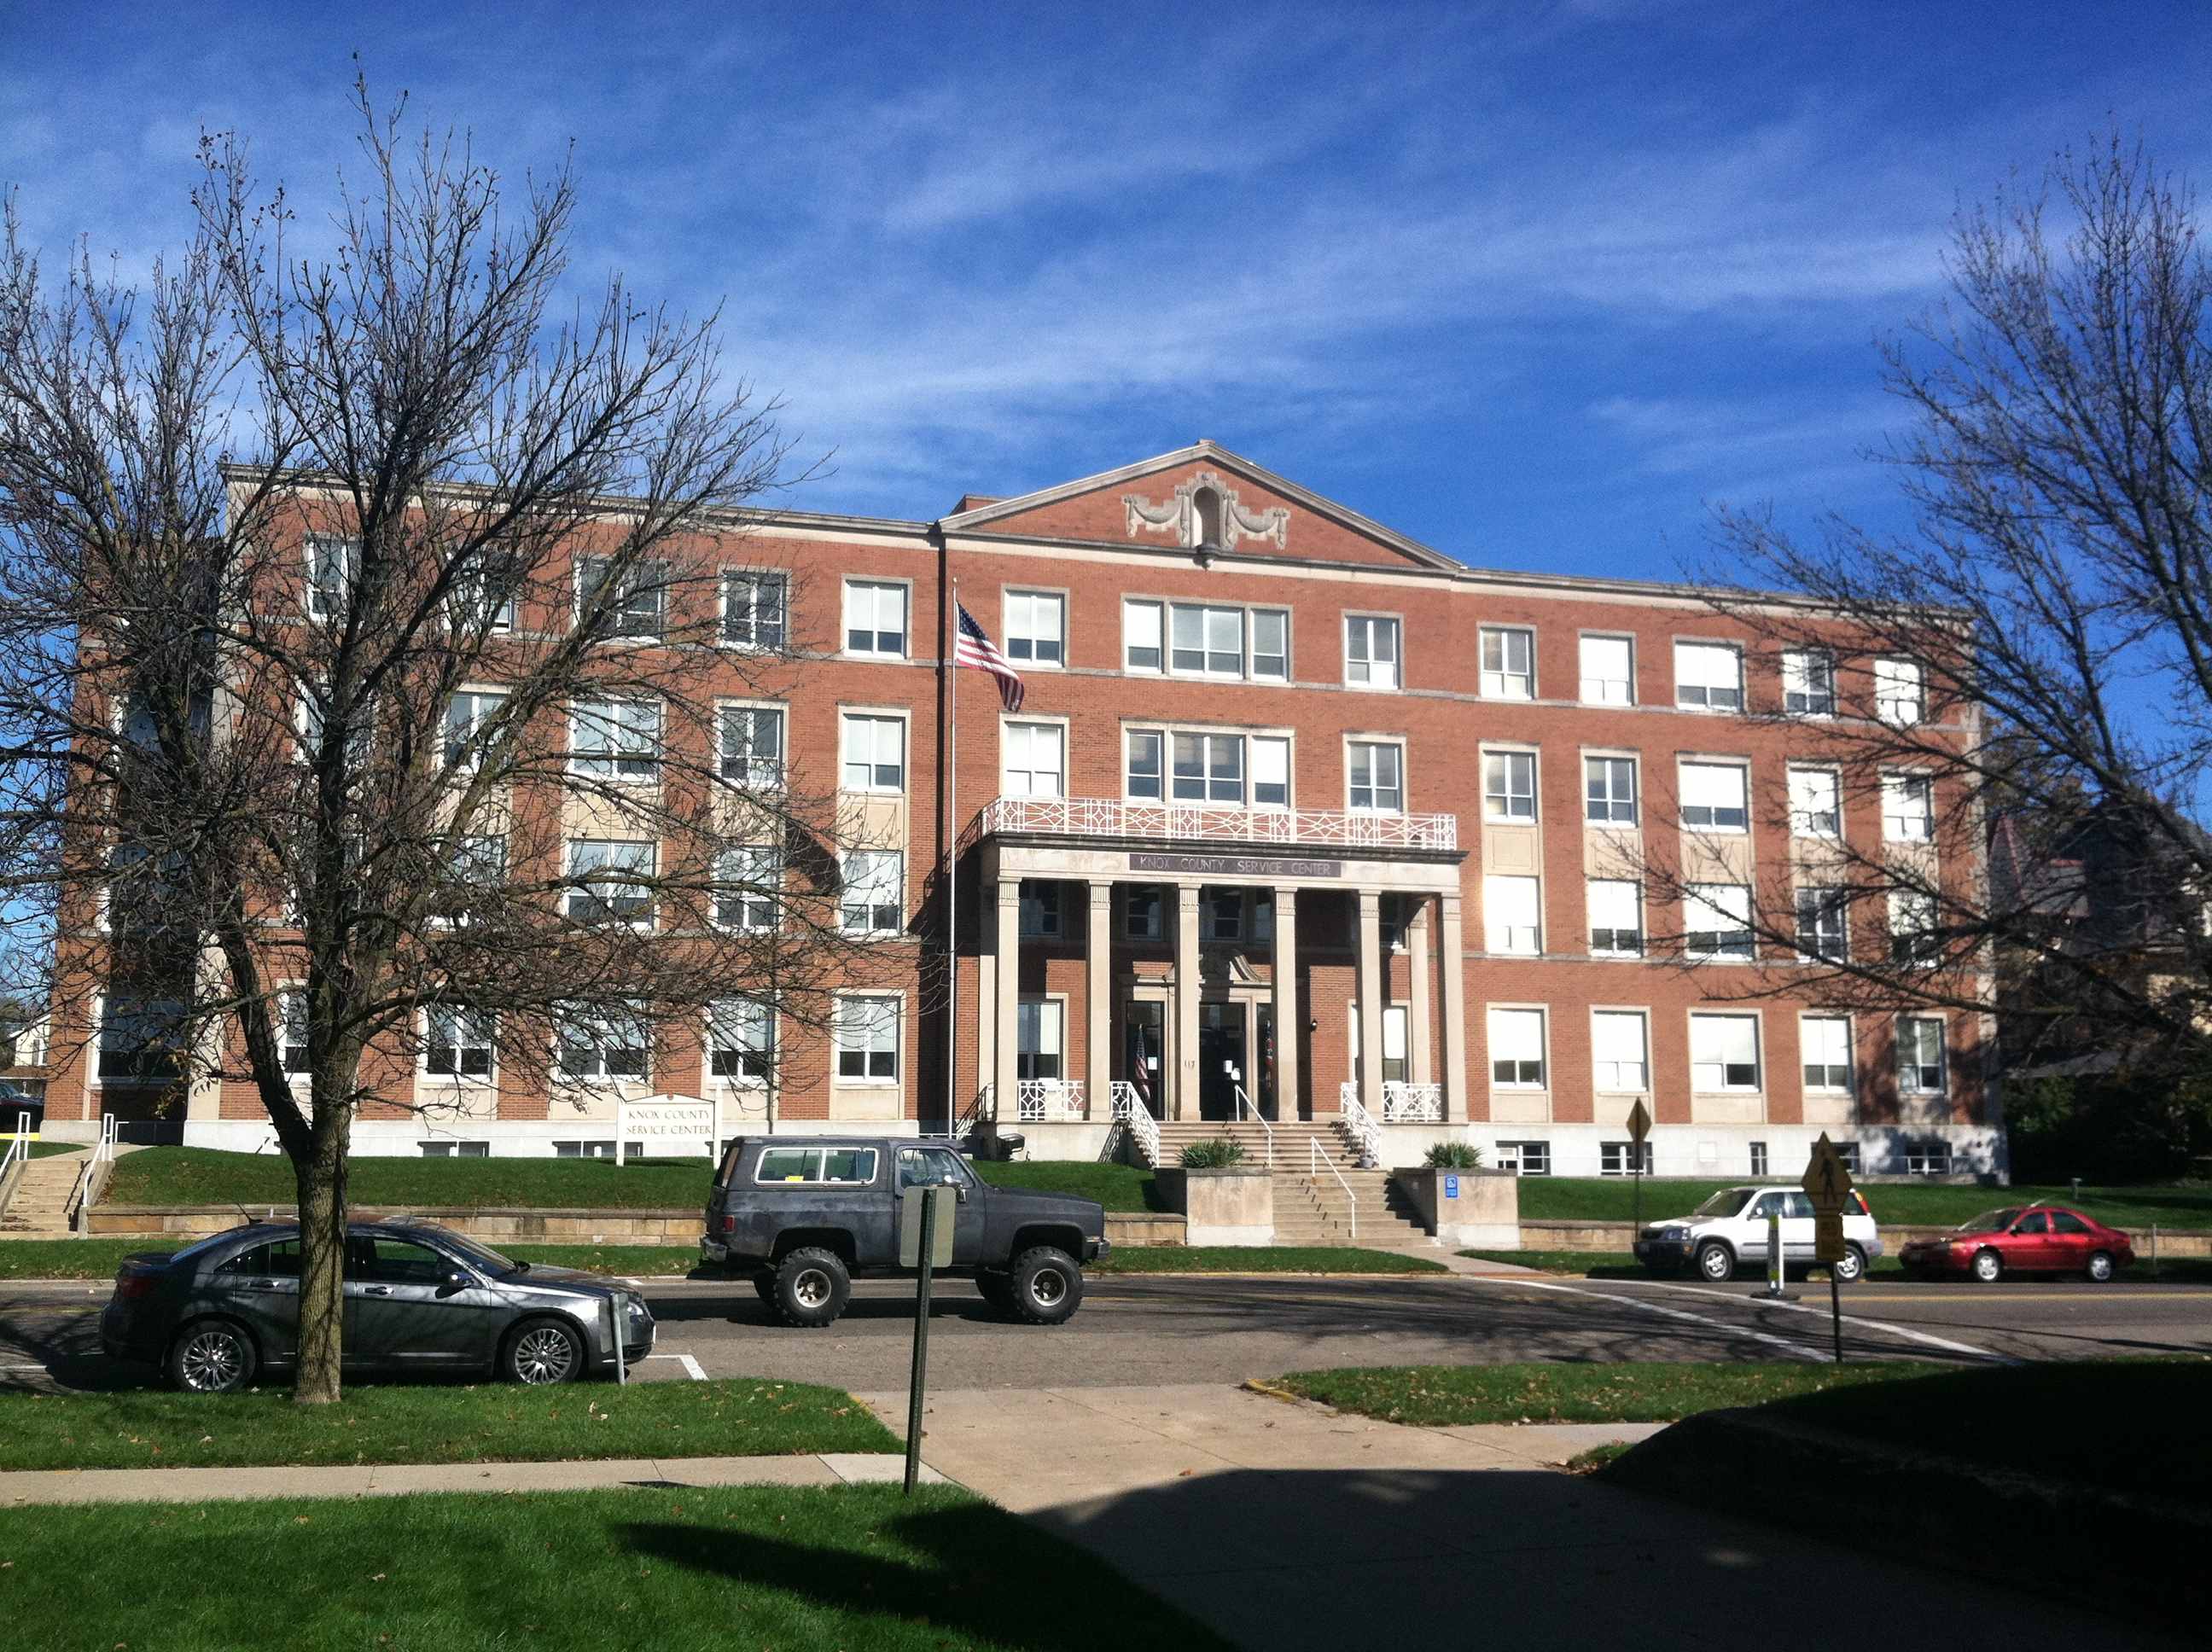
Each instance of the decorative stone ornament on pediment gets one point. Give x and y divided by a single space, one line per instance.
1183 514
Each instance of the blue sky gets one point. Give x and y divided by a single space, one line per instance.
1532 284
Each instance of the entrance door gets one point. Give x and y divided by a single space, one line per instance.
1221 1058
1144 1049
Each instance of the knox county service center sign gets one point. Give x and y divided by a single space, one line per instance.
666 1127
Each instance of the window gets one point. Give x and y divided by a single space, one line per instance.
1908 808
1899 691
1271 771
1927 1158
931 1167
1140 636
1209 768
1034 764
292 1031
1271 645
1608 671
748 881
1035 628
459 1150
1039 907
1037 1026
616 879
1715 797
1914 936
875 618
1141 917
476 862
1825 1043
1616 917
1206 641
1620 1055
635 603
1609 790
1849 1152
1716 921
578 1149
1525 1158
1708 676
848 1166
1621 1158
1516 1049
875 753
753 747
1221 915
1824 930
1758 1159
874 898
1724 1052
1509 663
1371 651
1509 785
1144 746
467 715
483 591
1809 683
614 739
1815 803
600 1041
865 1031
756 602
2067 1222
360 728
741 1039
333 570
1512 914
1378 781
458 1042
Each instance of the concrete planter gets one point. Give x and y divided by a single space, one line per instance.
1234 1207
1477 1209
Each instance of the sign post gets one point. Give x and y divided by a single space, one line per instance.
925 1243
1640 1126
1827 1183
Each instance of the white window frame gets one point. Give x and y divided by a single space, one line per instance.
848 718
848 1018
1380 800
1212 778
1364 667
1520 1081
1509 757
744 631
741 761
622 761
1824 1085
1605 696
1019 769
1513 914
1035 1015
1618 1158
1719 901
1827 900
1809 683
1804 818
1693 690
720 1024
871 874
1261 751
326 600
1901 691
1902 825
1635 888
577 871
1254 654
605 1021
462 749
1208 612
747 899
1914 918
876 591
629 615
1612 799
1029 643
291 1055
1525 1158
1707 771
474 1029
1725 1086
1502 681
1150 614
1914 1082
1612 1074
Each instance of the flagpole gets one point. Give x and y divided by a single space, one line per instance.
952 870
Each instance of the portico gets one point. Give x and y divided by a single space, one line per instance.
1199 927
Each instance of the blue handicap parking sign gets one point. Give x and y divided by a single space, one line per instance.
1451 1186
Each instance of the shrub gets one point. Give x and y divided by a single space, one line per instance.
1216 1155
1453 1156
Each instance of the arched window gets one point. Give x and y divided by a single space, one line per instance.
1206 517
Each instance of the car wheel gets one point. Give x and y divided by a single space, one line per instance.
997 1290
812 1288
764 1288
1716 1261
1047 1286
2100 1267
1852 1268
1987 1266
212 1356
544 1350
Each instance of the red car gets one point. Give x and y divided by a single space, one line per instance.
2030 1239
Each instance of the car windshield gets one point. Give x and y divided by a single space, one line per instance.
1988 1222
1723 1203
482 1256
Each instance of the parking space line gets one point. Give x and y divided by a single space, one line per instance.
1799 1350
689 1364
1944 1343
1999 1297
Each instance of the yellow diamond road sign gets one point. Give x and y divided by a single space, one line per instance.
1827 1179
1640 1123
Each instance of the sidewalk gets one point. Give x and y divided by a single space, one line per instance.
1288 1527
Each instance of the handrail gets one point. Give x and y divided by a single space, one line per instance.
1036 1099
19 1152
1315 1159
1243 1102
92 1177
1361 1123
1127 1108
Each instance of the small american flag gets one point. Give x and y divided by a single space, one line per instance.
975 649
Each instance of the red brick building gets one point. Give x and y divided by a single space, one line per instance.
1297 816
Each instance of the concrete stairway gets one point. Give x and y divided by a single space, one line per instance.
36 1210
1312 1206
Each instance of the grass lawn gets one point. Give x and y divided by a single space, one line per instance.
800 1571
1442 1395
433 1422
98 1259
48 1149
1620 1265
1612 1199
1117 1187
203 1176
1261 1259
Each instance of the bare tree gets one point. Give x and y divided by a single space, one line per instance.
2037 653
359 659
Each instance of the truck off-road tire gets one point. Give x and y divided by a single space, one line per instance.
997 1291
1715 1262
812 1288
764 1286
1047 1285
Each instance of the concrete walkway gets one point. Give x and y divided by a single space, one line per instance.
1288 1527
24 1488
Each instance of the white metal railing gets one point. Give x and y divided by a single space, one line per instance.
1128 1108
91 1176
1246 1104
1036 1100
20 1148
1409 1103
1366 1136
1315 1160
1202 823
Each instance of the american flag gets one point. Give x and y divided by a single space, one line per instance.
975 648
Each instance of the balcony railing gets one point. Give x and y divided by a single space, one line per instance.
1195 822
1040 1101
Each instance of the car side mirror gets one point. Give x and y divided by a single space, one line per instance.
453 1281
960 1194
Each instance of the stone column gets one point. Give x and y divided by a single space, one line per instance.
1458 1086
1184 1101
1289 1022
1098 998
1373 1001
1424 987
1008 995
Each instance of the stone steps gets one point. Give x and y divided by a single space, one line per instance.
40 1205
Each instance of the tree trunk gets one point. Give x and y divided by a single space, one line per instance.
322 1191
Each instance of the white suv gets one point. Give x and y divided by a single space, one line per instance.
1729 1229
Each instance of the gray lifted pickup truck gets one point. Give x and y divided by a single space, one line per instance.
801 1218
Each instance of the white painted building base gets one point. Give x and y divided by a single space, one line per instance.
507 1139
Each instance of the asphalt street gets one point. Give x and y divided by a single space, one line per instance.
1133 1331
